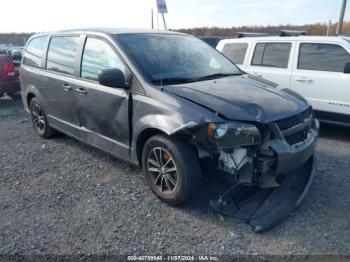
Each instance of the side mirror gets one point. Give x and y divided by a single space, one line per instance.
347 68
113 78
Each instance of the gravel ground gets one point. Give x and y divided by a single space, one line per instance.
62 197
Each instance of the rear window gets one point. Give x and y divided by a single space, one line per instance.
322 57
62 54
34 51
235 52
272 55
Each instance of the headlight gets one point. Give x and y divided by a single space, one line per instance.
233 134
217 130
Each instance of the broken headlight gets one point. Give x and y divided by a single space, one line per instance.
233 134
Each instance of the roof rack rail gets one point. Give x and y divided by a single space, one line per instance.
251 34
292 33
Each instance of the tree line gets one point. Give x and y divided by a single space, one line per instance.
19 39
311 29
15 39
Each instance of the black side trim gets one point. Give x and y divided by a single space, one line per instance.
333 117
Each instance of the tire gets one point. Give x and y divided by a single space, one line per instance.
39 120
173 154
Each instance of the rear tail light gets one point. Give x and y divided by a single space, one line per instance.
8 69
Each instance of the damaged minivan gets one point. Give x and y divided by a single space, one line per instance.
169 102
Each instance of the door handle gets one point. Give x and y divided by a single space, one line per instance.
67 87
304 80
81 91
258 75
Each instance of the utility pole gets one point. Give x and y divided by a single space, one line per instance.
341 18
152 22
329 27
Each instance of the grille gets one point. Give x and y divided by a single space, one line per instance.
296 137
295 129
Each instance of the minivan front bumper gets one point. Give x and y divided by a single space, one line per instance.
264 208
291 157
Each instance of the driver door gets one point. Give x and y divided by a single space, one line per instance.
102 111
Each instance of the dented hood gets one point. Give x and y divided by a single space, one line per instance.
239 98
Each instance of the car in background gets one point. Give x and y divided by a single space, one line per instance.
16 55
9 74
318 68
211 40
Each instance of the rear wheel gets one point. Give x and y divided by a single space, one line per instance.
172 169
39 120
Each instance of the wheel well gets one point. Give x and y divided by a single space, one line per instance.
30 96
142 138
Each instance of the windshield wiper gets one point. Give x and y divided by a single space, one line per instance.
182 80
172 80
218 75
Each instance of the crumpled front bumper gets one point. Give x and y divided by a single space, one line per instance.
291 157
264 208
283 199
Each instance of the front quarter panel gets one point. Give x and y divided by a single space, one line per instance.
164 112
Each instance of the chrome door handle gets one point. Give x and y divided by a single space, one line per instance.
81 91
302 80
67 87
258 75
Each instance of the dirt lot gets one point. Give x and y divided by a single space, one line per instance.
60 196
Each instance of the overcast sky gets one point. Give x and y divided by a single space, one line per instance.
46 15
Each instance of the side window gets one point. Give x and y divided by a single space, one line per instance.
322 57
98 55
62 53
272 55
235 52
34 51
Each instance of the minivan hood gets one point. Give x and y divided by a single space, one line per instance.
239 98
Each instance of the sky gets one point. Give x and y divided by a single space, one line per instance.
48 15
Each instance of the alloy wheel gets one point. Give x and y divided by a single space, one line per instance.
162 169
38 117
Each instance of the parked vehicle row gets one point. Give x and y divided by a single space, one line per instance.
169 102
9 79
10 60
318 68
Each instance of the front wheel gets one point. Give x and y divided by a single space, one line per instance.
172 169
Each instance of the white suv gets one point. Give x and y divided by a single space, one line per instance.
315 67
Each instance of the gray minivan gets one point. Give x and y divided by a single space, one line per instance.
174 105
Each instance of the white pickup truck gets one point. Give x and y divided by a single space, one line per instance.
316 67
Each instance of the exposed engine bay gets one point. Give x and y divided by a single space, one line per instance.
271 165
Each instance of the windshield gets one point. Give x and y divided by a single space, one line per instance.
170 59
